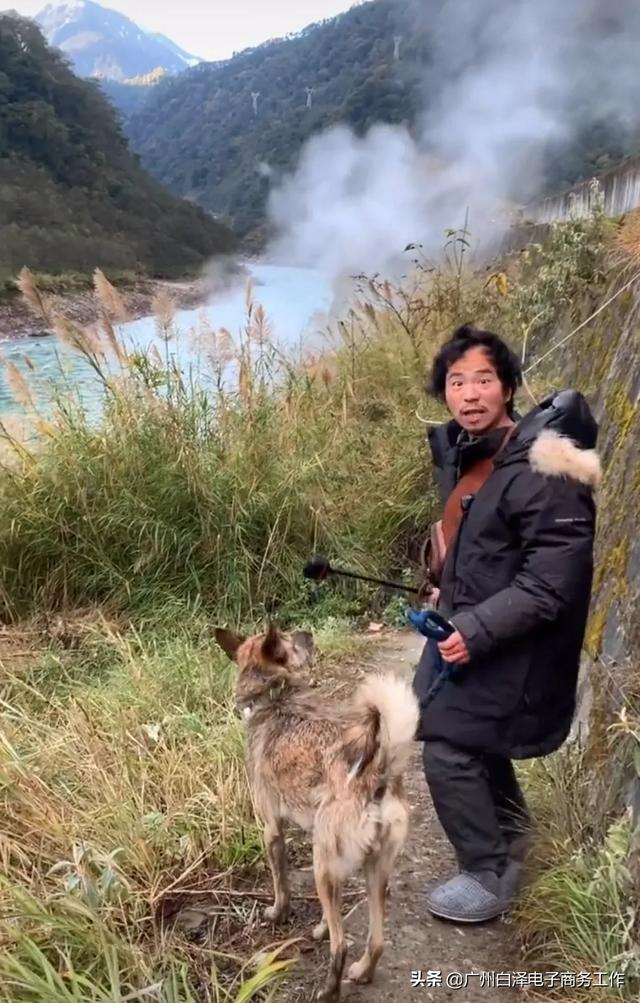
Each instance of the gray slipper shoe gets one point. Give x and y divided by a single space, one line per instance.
468 898
475 898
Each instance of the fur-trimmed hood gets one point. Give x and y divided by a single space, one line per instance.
555 455
558 438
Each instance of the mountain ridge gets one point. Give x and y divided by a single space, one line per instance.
222 133
103 43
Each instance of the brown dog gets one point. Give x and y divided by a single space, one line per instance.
334 769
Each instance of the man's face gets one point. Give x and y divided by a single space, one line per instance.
474 393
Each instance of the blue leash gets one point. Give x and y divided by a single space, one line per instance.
435 628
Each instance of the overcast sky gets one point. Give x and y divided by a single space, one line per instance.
214 29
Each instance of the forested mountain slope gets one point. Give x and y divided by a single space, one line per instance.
72 196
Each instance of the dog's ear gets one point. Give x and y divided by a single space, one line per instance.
273 648
303 645
228 641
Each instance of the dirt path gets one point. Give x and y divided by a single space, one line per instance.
415 942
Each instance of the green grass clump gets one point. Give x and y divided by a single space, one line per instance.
578 911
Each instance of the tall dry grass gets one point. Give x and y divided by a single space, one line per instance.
122 791
579 909
129 850
214 485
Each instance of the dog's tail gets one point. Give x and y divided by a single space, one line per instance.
386 726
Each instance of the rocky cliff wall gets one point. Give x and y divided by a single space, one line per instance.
603 361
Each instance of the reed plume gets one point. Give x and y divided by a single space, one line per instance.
163 308
34 299
627 240
19 386
109 298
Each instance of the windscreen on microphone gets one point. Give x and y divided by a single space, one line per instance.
317 568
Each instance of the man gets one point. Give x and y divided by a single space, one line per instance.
519 523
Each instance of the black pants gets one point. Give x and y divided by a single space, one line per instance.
479 804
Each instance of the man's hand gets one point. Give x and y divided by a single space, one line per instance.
454 649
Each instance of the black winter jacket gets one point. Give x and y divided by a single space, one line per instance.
517 584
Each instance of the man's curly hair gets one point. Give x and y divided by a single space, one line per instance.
466 337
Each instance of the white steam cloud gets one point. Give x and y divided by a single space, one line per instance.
264 169
351 201
507 82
